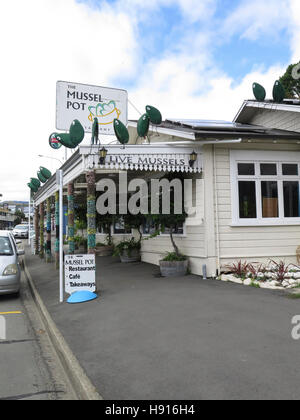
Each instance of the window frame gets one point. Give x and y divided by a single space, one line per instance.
113 225
257 158
167 235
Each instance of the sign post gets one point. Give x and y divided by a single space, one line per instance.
80 273
80 278
59 181
88 104
29 218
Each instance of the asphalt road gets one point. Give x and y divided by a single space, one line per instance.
29 369
148 337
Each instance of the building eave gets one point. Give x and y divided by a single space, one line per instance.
250 107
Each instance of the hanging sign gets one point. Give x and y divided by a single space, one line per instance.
76 101
54 142
80 273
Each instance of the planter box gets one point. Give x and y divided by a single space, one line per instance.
173 268
81 250
134 256
104 251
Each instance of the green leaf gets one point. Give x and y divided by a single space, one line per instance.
45 172
65 140
259 92
76 133
278 92
143 125
41 177
35 182
121 132
154 115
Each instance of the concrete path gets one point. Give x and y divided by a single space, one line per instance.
148 337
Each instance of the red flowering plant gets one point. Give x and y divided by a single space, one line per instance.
281 269
239 269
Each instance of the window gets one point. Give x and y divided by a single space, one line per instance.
178 230
290 169
265 187
268 169
149 228
246 169
120 229
5 246
247 199
291 199
269 198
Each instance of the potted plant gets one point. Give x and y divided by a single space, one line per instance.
80 244
104 223
128 251
105 249
80 226
174 263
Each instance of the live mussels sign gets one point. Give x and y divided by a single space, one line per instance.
80 273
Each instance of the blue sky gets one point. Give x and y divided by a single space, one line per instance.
161 29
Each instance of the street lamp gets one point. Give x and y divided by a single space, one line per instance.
193 158
102 156
49 157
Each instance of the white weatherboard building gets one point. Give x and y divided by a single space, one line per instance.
247 189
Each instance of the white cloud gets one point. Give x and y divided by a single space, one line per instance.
192 9
255 18
180 99
295 27
198 9
43 41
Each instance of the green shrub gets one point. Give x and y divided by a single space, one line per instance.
80 241
128 246
100 244
172 256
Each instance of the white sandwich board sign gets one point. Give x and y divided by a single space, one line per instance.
80 273
86 102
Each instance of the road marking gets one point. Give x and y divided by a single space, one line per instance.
11 313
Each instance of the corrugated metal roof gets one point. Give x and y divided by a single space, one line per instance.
215 125
212 130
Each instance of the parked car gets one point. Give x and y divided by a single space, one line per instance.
21 231
10 271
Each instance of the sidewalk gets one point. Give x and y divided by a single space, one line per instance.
148 337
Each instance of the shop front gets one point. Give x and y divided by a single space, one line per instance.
241 192
89 171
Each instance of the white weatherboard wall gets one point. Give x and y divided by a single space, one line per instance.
251 243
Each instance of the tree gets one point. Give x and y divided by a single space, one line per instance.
20 217
135 222
80 217
171 221
105 222
291 83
